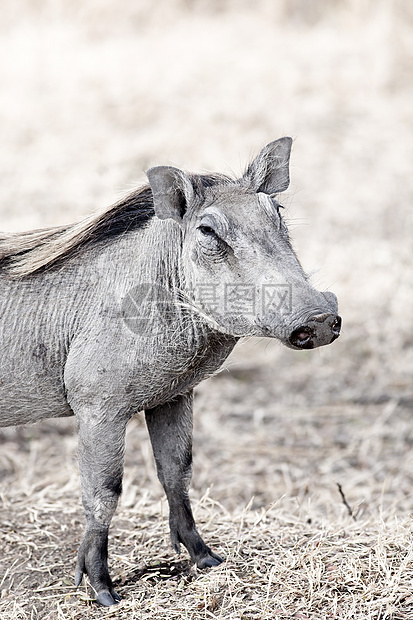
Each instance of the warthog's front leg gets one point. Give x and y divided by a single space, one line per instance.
101 451
170 430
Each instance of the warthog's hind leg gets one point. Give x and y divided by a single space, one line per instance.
170 430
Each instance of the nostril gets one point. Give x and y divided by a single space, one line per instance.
336 326
301 337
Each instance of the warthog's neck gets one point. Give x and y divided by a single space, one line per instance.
178 346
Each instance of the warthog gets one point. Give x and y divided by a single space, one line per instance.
130 309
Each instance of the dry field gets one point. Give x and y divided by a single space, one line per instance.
93 92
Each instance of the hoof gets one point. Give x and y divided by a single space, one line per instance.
210 560
107 599
78 577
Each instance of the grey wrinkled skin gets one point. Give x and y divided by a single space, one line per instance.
69 349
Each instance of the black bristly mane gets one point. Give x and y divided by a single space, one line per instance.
22 254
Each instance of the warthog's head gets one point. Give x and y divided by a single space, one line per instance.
241 272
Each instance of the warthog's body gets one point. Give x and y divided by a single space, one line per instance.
129 310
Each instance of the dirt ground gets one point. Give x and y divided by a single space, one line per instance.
92 94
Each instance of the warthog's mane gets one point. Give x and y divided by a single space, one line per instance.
26 253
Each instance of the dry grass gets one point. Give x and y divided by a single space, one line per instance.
277 567
279 563
93 93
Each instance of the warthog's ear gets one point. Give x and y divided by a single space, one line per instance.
269 171
172 190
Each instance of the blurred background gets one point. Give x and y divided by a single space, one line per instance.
93 92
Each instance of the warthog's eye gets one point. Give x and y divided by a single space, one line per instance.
211 243
207 230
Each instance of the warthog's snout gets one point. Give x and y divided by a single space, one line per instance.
320 330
